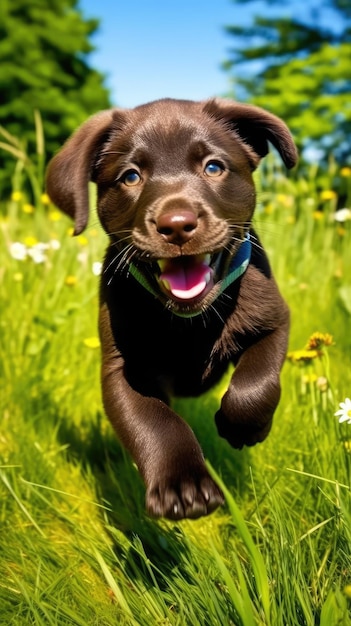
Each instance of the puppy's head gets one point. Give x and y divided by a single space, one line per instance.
175 188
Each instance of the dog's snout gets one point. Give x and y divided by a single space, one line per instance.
177 226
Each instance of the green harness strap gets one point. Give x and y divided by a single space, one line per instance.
238 266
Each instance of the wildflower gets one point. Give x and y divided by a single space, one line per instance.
82 240
302 356
322 383
30 241
54 216
268 209
310 202
345 171
318 215
285 200
309 379
16 196
18 251
37 252
18 277
82 257
45 198
54 244
318 340
328 194
70 280
344 412
28 208
97 267
92 342
342 215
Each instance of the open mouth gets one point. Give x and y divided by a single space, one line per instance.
187 277
190 283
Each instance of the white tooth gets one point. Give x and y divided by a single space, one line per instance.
208 277
207 259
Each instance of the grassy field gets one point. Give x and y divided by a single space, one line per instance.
76 547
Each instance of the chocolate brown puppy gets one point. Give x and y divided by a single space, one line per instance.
186 287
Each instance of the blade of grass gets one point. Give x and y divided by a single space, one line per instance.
113 585
19 502
241 599
256 558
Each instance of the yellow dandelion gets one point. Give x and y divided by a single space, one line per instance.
345 171
17 196
92 342
82 240
309 378
30 241
54 216
18 277
45 198
328 194
317 340
28 208
302 356
318 215
285 200
70 281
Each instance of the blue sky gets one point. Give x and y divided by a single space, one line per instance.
151 49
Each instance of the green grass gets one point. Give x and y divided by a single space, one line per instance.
76 547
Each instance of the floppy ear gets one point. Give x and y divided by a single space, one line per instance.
256 127
70 171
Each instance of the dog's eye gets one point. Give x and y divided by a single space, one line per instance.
131 178
214 168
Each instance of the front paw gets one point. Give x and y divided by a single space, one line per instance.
239 434
188 496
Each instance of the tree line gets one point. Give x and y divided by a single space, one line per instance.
293 59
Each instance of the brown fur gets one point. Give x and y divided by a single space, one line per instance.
158 199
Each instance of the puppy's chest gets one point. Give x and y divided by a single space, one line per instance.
156 342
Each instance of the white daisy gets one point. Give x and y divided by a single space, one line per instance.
344 413
342 215
54 244
97 267
18 251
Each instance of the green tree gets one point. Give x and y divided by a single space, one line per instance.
296 61
44 50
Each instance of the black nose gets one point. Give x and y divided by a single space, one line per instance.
177 226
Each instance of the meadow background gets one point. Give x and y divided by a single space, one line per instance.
76 546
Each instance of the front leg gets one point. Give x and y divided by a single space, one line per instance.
247 408
163 446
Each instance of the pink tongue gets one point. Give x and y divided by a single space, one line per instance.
186 277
